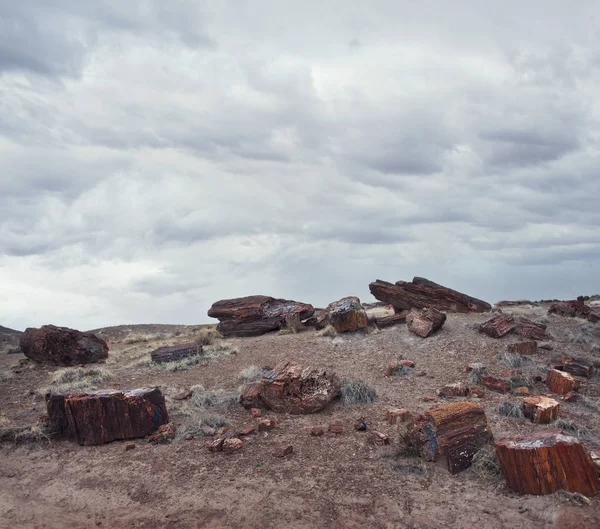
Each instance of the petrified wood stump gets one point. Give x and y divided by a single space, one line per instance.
101 416
530 330
576 366
545 462
175 352
523 348
561 382
454 433
424 322
541 410
498 326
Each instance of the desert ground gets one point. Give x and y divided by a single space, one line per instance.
327 482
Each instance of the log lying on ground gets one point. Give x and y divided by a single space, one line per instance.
388 321
101 416
290 388
175 352
425 322
523 348
530 330
453 433
576 366
346 315
495 384
561 382
256 315
575 309
498 326
545 462
422 293
541 410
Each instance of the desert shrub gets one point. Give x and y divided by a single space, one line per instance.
575 498
512 360
251 374
357 392
24 435
144 338
212 352
13 350
327 331
595 350
486 465
179 365
590 404
214 398
207 336
474 377
292 324
508 409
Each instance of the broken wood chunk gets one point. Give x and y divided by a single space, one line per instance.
498 326
495 384
424 322
541 410
523 348
394 319
530 330
576 366
561 382
458 389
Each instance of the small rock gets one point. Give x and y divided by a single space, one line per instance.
477 392
495 384
521 392
395 415
317 431
129 445
208 431
421 373
407 363
546 346
429 399
265 425
188 437
571 396
336 428
255 412
216 445
185 395
204 364
360 425
379 438
391 367
247 430
282 452
166 433
477 365
233 444
457 389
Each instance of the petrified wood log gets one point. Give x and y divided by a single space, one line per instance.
523 348
62 346
394 319
175 352
545 462
255 315
575 309
454 433
422 293
293 389
498 326
561 382
531 330
424 322
495 384
576 366
346 315
541 410
98 417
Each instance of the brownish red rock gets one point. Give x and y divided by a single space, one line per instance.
561 382
541 410
392 366
572 396
188 437
250 396
428 398
575 309
129 445
62 346
264 425
101 416
394 319
396 415
232 444
421 373
379 438
285 451
425 322
547 461
523 348
453 433
208 431
255 315
185 395
255 412
523 391
422 293
477 392
336 428
498 326
407 363
247 430
291 388
175 353
458 389
216 445
495 384
575 366
530 330
317 431
360 425
345 315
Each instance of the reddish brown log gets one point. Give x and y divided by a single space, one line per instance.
530 330
523 348
575 309
545 462
394 319
346 315
561 382
498 326
293 389
175 353
457 389
495 384
453 433
541 410
425 322
62 346
576 366
255 315
102 416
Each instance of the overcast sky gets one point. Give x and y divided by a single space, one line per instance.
158 156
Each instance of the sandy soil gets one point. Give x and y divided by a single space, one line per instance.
331 481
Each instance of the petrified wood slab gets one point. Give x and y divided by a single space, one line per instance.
422 293
576 366
394 319
495 384
175 352
523 348
101 416
62 346
531 330
498 326
346 315
255 315
545 462
425 322
291 388
541 410
561 382
453 433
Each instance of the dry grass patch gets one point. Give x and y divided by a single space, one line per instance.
291 325
72 379
251 374
327 331
356 392
511 410
486 464
512 360
5 375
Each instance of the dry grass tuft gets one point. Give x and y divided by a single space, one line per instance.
486 465
72 379
145 338
508 409
208 336
327 331
214 398
356 392
474 378
251 374
575 429
512 360
25 435
575 498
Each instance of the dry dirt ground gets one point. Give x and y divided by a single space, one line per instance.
332 481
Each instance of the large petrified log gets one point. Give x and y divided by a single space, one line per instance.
561 382
523 348
541 410
576 366
291 388
175 352
422 293
453 433
545 462
531 330
394 319
345 315
255 315
575 309
424 322
101 416
498 326
62 346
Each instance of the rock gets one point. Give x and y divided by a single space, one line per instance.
247 430
255 412
523 391
101 416
429 399
546 346
62 346
188 437
392 367
474 366
575 309
265 425
216 445
129 445
232 444
396 415
290 388
495 384
547 461
523 348
407 363
561 382
541 410
336 428
424 322
317 431
345 315
255 315
498 326
360 425
476 392
208 431
165 433
379 438
394 319
575 366
175 353
185 395
222 431
422 293
530 330
453 433
572 396
286 451
250 396
421 373
458 389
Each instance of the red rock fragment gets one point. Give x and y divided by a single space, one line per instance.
250 396
530 330
495 384
396 415
265 425
232 444
317 431
457 389
425 322
561 382
346 315
175 353
421 373
188 437
429 399
476 392
379 438
129 445
255 412
336 428
247 430
541 410
523 348
572 396
575 366
407 363
216 445
185 395
285 451
523 391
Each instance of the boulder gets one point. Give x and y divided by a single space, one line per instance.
345 315
523 348
175 353
547 461
422 293
425 322
576 366
256 315
541 410
101 416
530 330
453 433
575 309
498 326
294 389
561 382
62 346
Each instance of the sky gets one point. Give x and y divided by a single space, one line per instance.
156 157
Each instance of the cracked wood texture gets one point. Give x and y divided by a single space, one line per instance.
175 352
531 330
541 410
498 326
425 322
560 382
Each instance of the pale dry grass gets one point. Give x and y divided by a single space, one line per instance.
72 379
356 392
251 374
327 331
486 465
